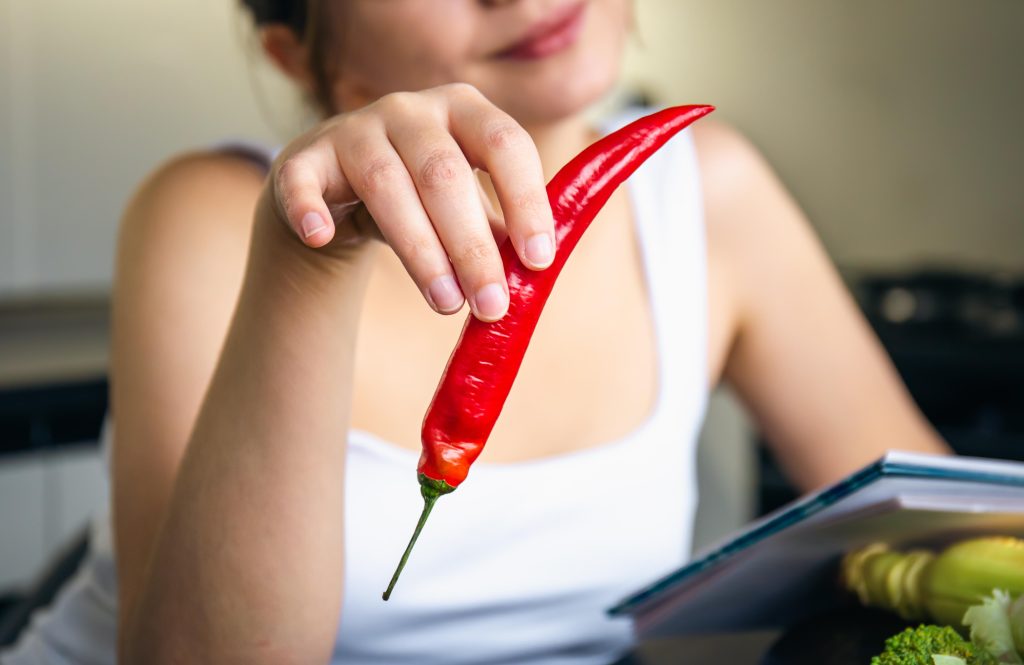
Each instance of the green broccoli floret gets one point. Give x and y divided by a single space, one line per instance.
917 646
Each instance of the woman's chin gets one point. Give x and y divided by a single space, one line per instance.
551 99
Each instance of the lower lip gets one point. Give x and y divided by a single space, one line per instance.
562 37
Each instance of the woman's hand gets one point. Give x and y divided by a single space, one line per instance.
408 160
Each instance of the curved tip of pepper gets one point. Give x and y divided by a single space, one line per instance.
670 120
696 110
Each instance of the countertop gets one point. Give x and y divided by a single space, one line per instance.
53 340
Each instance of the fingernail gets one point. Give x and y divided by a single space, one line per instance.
445 294
539 250
491 302
312 223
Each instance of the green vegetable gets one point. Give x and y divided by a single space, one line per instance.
991 629
967 572
927 645
922 585
1017 623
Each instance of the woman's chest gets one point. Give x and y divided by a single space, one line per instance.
589 377
544 548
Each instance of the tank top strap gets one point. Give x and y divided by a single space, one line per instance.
256 153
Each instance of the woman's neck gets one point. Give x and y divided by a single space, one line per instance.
556 143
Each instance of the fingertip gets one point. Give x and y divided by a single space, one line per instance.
491 302
315 230
311 224
539 251
444 312
320 239
490 318
444 295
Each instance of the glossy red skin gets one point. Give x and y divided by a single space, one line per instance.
487 357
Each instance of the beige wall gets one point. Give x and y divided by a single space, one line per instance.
894 121
94 95
897 123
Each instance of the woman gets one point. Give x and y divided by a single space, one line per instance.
263 465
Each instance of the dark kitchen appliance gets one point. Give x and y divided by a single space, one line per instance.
957 339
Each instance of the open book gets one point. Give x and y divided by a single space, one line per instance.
784 566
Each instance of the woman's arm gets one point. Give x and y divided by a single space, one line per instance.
801 355
181 257
248 564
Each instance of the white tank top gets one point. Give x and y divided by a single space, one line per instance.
521 563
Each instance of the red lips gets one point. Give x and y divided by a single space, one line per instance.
549 36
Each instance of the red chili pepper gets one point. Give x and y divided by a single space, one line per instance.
486 359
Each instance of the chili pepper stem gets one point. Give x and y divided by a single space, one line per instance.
431 490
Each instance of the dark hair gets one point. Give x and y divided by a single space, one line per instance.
290 12
304 17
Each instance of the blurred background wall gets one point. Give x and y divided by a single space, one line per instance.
894 122
94 96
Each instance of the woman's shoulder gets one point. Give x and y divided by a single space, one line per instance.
202 177
755 231
745 201
729 161
194 195
186 230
